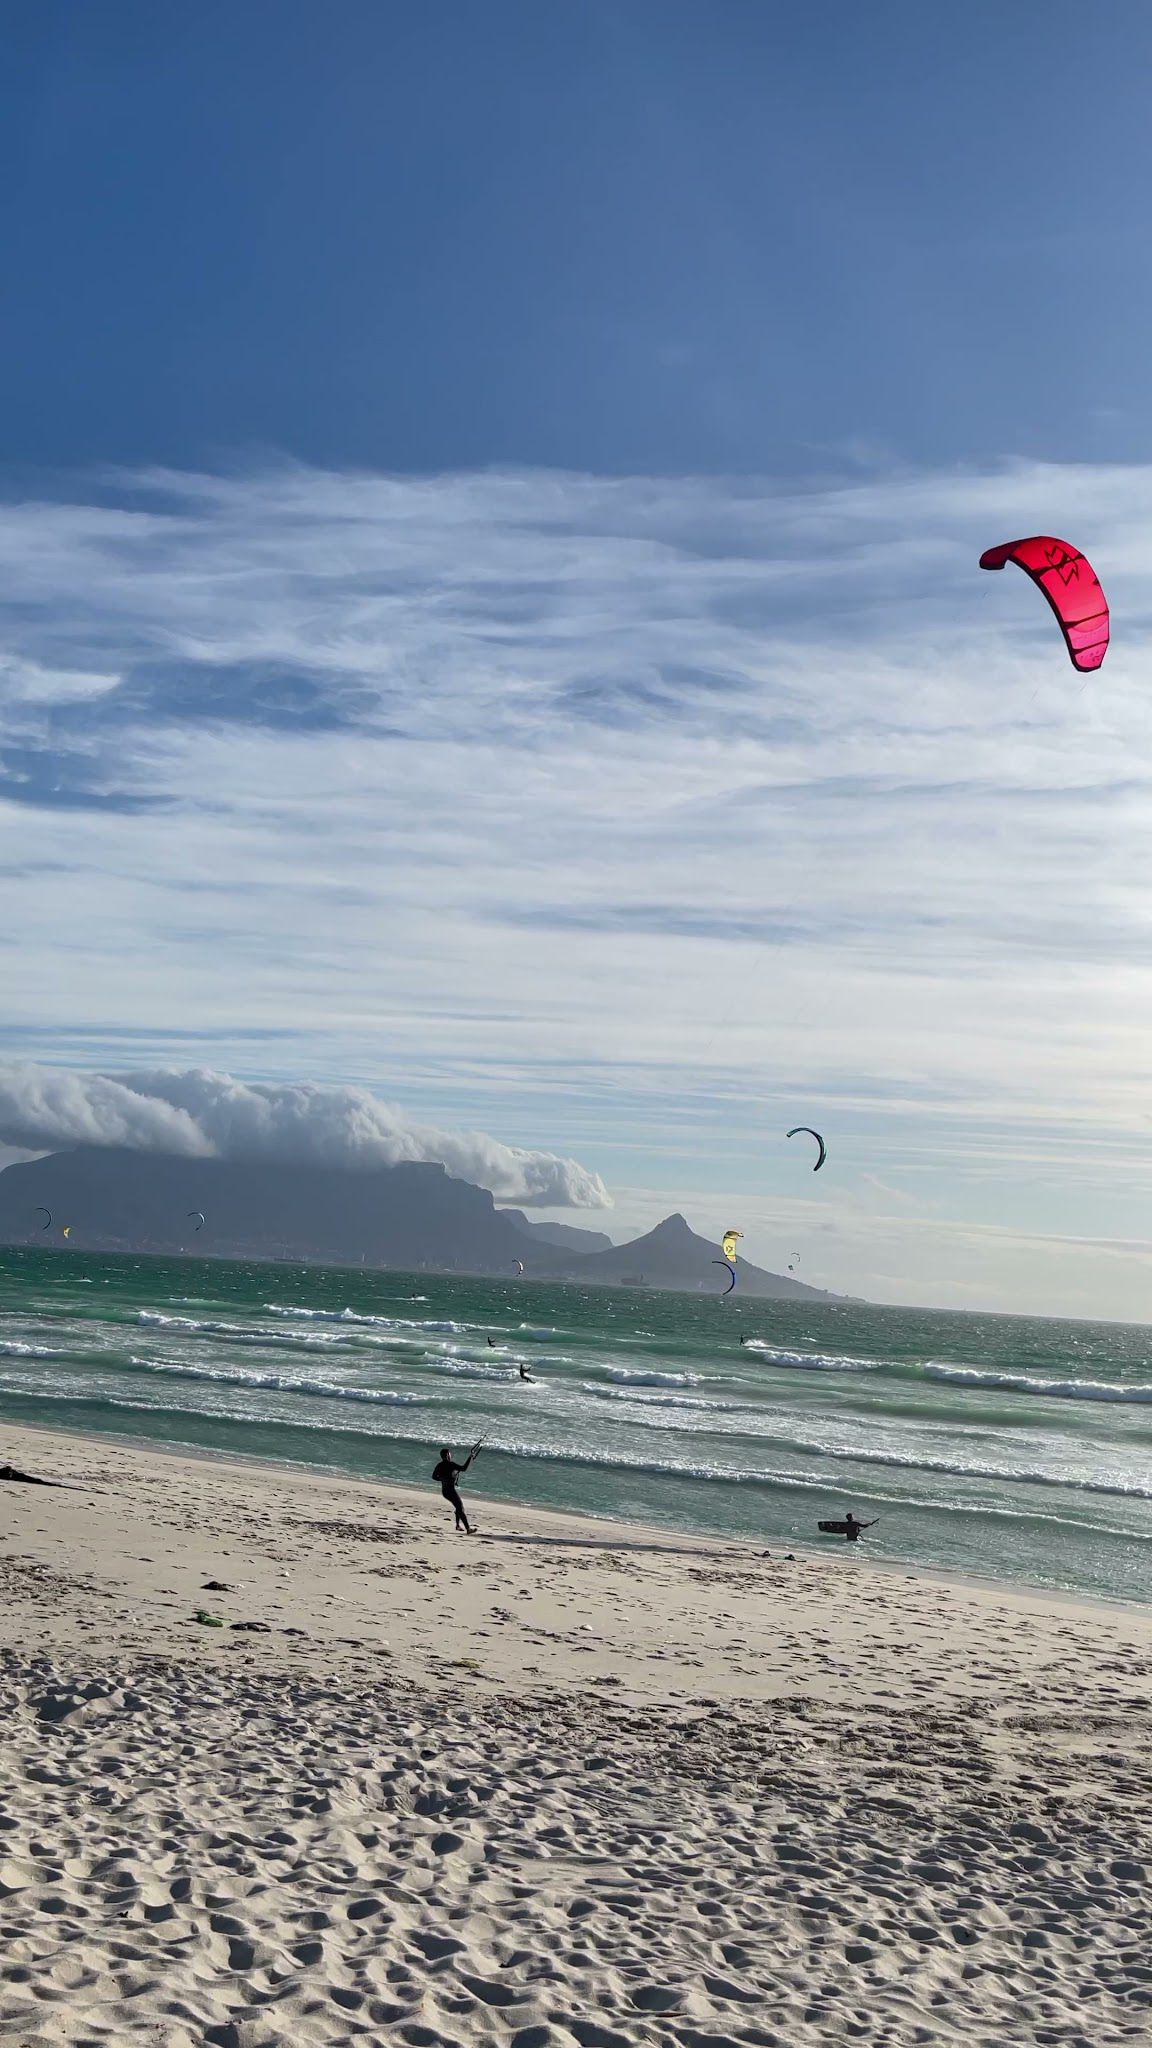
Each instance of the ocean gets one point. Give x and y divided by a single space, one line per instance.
1006 1448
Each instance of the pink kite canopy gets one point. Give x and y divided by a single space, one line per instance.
1072 588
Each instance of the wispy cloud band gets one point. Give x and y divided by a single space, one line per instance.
619 812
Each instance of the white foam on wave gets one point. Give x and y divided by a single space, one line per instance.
351 1315
953 1468
467 1368
657 1398
11 1347
628 1376
312 1315
281 1383
956 1375
812 1361
239 1333
1024 1383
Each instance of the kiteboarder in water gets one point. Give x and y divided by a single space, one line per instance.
852 1528
526 1375
446 1474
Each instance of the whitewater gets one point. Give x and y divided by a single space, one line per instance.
1006 1448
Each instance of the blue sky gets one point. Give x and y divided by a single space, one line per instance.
488 607
733 236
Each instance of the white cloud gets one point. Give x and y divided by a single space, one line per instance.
649 815
30 682
203 1114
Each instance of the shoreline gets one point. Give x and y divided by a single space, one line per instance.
649 1533
840 1573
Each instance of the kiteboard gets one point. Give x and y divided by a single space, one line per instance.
832 1528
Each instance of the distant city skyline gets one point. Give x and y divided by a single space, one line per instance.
490 504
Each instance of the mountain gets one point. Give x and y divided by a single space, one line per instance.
566 1235
673 1255
413 1217
409 1216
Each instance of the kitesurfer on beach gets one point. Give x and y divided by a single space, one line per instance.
446 1474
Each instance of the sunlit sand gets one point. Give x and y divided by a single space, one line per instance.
565 1782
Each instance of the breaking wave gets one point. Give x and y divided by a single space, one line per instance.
954 1375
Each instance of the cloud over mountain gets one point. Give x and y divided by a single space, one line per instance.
201 1114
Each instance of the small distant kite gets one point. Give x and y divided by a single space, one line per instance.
520 1266
731 1272
42 1210
67 1230
809 1132
729 1244
199 1215
1071 586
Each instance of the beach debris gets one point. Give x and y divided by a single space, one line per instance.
810 1133
263 1628
209 1620
1071 586
26 1478
216 1586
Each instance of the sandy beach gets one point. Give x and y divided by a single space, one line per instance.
569 1782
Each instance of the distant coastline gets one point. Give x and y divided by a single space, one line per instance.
411 1218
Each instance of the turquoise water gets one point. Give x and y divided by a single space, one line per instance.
1006 1447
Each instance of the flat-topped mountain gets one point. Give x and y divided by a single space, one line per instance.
408 1216
412 1217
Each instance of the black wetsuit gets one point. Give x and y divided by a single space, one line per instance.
446 1474
853 1528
